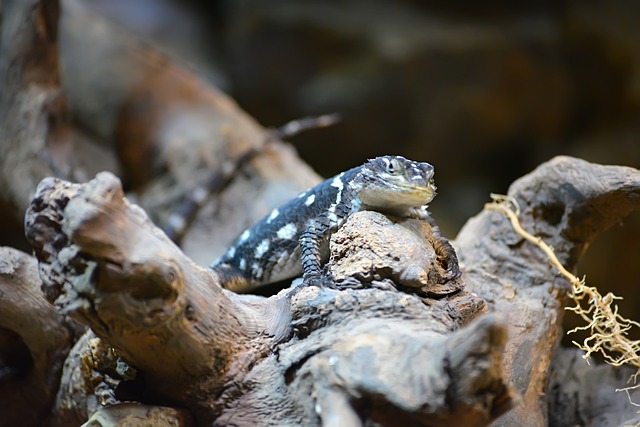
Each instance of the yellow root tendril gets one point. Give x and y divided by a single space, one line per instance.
607 329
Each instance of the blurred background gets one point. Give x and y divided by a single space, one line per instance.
485 91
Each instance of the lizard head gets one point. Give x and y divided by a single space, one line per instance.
393 183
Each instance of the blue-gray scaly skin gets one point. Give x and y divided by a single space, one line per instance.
294 238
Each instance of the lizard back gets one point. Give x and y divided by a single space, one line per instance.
269 251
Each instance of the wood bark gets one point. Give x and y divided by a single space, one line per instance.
34 342
392 343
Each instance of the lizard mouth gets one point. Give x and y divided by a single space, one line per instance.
427 192
395 195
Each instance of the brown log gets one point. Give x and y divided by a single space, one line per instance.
28 83
34 342
567 202
157 113
581 393
105 264
37 138
95 230
171 130
136 415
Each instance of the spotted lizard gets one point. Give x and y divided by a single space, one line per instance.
294 239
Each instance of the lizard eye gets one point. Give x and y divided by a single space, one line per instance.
394 167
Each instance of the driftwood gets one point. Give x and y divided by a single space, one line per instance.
34 339
223 353
371 349
567 202
392 343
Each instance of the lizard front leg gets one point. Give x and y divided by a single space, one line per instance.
310 255
445 251
447 254
443 248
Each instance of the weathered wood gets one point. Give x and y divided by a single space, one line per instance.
37 137
353 349
105 264
585 394
34 341
565 201
91 388
136 415
374 349
30 105
84 386
356 253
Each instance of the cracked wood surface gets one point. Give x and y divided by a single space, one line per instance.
103 263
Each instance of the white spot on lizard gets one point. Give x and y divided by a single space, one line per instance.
232 252
333 219
242 264
310 200
273 215
262 248
245 235
256 270
287 232
337 182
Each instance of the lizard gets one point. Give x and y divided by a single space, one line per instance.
294 238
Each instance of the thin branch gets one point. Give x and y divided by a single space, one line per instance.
179 222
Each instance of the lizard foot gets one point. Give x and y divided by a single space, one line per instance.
453 271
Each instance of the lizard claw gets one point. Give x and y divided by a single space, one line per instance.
453 271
